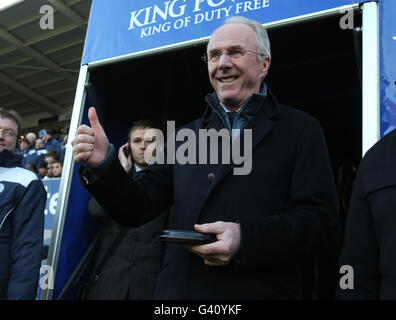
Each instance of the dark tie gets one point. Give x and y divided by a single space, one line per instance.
232 116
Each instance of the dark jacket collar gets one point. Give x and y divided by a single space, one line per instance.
250 107
9 159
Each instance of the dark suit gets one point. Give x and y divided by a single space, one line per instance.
286 207
370 237
131 270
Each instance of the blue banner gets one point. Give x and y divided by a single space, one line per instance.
122 27
52 188
79 230
388 66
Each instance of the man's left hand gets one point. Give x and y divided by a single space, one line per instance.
228 243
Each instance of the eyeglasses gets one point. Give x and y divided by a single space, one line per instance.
233 54
9 133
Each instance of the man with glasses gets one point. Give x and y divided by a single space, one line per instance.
22 204
269 224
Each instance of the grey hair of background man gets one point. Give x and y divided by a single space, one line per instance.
31 135
263 43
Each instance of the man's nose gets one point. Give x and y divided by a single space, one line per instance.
224 61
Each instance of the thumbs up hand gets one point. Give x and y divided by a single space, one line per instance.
90 145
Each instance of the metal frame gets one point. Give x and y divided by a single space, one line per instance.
65 183
370 102
370 76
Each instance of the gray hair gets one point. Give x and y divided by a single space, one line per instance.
263 43
31 134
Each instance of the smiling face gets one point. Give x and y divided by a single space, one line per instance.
8 134
235 79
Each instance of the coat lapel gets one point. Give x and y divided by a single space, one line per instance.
260 125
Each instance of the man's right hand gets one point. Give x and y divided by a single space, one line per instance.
126 162
90 145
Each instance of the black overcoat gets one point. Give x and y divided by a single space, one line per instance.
370 237
286 206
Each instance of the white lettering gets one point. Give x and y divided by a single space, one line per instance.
171 310
219 309
211 3
186 153
47 278
181 12
199 17
134 19
47 21
347 280
170 130
214 136
151 14
346 21
197 5
188 147
152 30
53 203
251 5
246 159
158 11
213 14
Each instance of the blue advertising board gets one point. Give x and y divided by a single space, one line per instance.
52 188
79 231
122 27
387 66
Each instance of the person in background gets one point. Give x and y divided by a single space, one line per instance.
50 142
131 271
51 156
63 146
41 152
31 136
24 147
50 172
22 204
31 156
57 167
41 134
42 171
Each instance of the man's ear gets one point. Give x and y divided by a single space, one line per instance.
265 62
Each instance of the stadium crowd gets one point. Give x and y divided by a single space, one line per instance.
43 153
